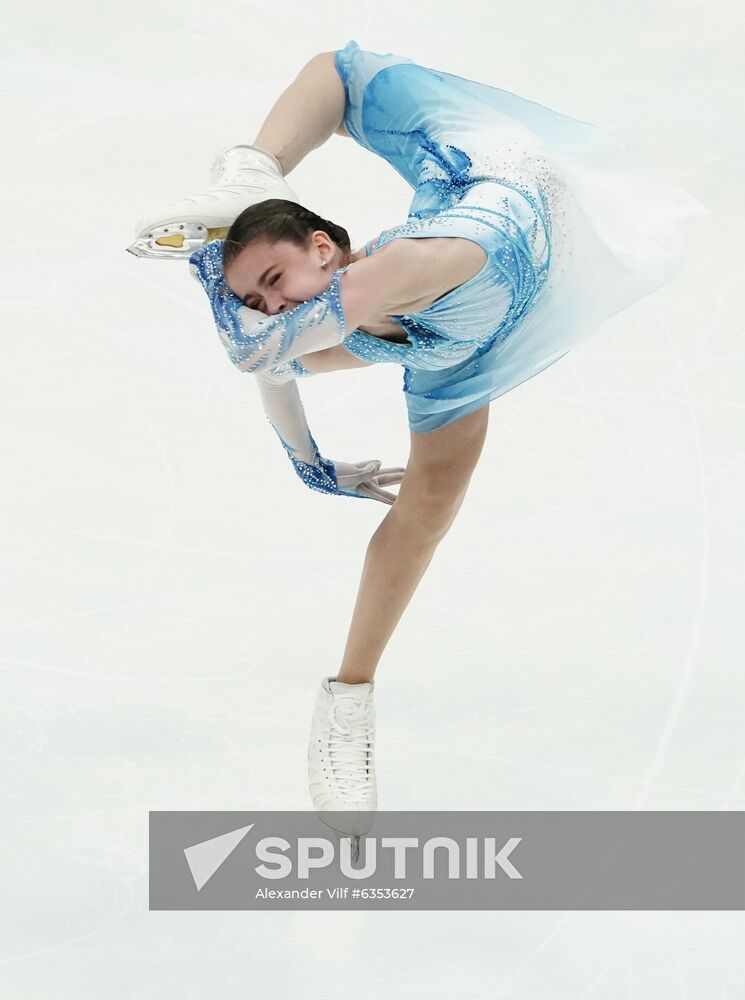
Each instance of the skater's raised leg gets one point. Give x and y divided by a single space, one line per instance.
304 116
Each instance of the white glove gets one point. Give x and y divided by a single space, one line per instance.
284 410
367 479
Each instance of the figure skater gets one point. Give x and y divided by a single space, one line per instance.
527 229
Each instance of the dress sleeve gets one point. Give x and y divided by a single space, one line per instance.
269 347
356 68
284 410
256 342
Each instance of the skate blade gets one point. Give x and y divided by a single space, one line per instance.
175 246
354 844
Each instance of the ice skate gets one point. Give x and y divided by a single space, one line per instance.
240 176
341 768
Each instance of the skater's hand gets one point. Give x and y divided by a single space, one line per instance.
367 479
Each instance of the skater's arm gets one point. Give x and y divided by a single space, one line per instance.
383 284
306 114
255 341
284 410
332 359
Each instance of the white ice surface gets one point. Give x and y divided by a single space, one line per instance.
577 642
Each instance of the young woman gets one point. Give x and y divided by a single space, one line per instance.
526 231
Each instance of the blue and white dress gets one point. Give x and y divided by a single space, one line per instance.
574 225
575 228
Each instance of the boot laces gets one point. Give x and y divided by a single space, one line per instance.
349 744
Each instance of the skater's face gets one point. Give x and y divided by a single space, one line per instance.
276 276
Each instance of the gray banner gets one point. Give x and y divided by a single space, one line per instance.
449 861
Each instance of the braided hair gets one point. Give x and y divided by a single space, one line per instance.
278 219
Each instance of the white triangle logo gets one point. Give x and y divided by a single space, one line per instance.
204 859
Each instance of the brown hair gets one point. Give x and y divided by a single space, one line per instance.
278 219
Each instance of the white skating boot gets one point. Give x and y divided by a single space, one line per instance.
341 766
240 176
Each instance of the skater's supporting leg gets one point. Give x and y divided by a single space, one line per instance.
305 114
437 474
